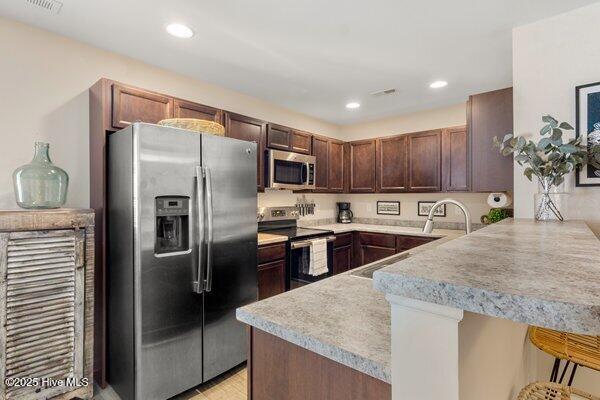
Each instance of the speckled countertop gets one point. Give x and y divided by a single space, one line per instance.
268 238
342 318
540 273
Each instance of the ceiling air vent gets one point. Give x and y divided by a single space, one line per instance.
52 6
386 92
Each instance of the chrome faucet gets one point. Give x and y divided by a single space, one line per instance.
428 228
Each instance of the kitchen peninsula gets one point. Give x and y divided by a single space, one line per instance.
517 270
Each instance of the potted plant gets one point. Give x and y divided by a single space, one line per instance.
549 160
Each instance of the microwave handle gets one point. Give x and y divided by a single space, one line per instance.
305 173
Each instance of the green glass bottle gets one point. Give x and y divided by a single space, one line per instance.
40 184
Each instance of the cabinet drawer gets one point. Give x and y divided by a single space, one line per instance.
271 252
343 239
377 239
408 242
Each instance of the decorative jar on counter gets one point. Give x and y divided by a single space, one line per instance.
40 184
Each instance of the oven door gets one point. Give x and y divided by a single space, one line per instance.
289 170
299 259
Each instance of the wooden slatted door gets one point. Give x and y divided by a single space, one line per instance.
41 319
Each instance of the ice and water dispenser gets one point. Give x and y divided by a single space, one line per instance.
172 224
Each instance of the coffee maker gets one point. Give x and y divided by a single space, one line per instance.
344 213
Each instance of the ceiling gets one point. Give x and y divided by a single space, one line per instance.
314 56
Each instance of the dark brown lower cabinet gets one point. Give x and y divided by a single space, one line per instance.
342 253
370 247
271 279
271 270
342 259
278 369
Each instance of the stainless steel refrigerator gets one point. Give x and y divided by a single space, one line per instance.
182 237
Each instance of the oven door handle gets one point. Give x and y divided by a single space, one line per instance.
306 243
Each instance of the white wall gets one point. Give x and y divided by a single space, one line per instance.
414 122
44 81
550 58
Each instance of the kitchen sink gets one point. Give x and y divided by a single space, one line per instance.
368 270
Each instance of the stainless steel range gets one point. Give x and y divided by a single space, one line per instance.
283 221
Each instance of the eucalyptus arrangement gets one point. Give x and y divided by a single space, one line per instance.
549 160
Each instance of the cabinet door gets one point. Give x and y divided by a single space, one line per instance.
42 309
342 259
424 161
371 254
336 166
455 160
362 166
404 243
301 142
187 109
488 115
320 149
271 279
391 164
131 105
279 137
252 130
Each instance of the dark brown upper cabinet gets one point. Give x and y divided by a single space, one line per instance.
187 109
488 115
392 164
279 137
131 105
455 159
320 149
336 165
362 160
288 139
252 130
301 142
329 155
424 161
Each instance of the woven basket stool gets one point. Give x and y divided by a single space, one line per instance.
581 350
552 391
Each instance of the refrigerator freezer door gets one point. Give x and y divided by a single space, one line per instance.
168 313
231 279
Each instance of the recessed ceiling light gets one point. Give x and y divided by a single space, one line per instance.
438 84
180 31
352 105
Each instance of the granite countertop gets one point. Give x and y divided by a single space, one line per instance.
539 273
392 229
268 238
342 318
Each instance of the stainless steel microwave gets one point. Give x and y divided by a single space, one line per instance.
289 170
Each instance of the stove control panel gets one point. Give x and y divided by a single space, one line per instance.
277 213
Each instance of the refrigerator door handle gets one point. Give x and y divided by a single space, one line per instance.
198 284
209 223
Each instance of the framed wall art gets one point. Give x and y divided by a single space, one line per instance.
587 126
423 208
388 207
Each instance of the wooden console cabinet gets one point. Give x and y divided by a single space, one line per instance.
47 303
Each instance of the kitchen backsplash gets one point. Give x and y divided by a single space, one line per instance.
364 206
